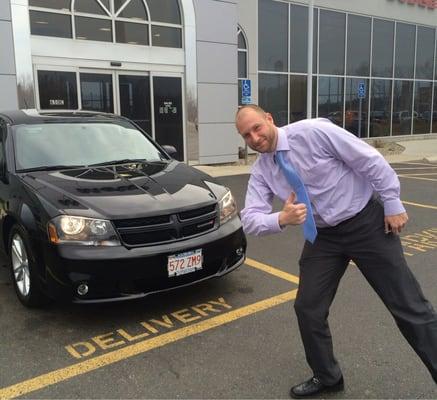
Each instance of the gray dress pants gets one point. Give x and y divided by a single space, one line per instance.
380 258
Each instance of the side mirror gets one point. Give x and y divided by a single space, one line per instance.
170 150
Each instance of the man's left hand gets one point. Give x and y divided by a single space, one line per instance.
395 223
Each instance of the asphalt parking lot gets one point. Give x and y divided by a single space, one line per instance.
234 337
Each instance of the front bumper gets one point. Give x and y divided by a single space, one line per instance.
119 273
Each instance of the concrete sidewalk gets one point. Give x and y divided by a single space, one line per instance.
423 149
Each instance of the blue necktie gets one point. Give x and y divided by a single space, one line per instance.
309 226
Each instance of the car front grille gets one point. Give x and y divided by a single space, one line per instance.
167 228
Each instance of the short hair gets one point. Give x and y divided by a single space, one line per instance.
253 107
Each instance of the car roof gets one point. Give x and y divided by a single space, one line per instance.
33 116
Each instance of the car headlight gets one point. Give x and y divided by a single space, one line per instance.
80 230
228 207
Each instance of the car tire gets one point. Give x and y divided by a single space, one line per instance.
23 269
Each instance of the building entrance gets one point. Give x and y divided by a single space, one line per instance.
155 103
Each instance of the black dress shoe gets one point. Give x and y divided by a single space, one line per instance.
313 387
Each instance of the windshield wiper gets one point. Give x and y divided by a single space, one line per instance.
124 161
50 168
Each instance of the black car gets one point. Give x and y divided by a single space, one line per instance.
92 209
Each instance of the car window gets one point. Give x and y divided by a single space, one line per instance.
72 144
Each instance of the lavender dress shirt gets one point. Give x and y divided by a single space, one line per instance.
340 173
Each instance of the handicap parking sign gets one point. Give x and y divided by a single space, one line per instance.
246 91
361 90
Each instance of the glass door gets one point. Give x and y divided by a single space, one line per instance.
97 91
168 113
134 92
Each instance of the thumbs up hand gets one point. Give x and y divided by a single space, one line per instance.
292 213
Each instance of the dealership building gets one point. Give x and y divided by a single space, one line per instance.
181 68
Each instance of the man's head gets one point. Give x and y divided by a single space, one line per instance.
257 128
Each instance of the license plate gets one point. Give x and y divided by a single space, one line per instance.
184 263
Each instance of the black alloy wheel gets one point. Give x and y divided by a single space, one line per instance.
23 269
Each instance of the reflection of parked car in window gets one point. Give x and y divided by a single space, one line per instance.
379 115
427 115
336 117
400 116
92 209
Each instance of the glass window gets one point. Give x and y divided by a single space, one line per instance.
241 40
96 91
422 107
331 42
434 113
405 43
273 93
314 99
315 38
164 11
242 55
402 107
93 29
88 6
50 24
358 45
273 28
298 97
331 99
242 66
55 4
135 10
126 32
382 52
106 4
166 36
57 90
118 4
355 117
298 38
425 52
435 72
380 108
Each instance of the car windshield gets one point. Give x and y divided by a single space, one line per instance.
80 144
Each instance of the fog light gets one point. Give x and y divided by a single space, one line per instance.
239 251
82 289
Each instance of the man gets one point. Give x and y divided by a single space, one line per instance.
341 175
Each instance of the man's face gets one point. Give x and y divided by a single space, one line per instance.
258 131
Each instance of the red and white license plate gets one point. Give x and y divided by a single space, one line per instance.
184 263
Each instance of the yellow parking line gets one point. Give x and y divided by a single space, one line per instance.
419 205
272 271
416 177
92 364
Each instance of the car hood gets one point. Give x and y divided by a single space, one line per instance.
124 191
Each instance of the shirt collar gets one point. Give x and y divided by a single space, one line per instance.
282 143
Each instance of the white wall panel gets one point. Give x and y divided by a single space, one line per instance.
7 64
216 21
5 10
217 62
8 98
217 103
217 143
